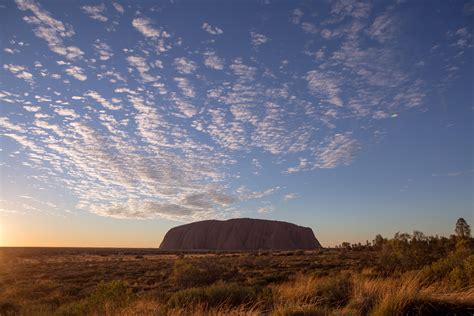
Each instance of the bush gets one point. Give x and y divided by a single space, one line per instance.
108 296
457 278
299 252
468 265
113 293
411 252
457 269
215 295
188 274
185 274
463 274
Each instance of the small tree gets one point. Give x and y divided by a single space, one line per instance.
346 245
378 242
462 228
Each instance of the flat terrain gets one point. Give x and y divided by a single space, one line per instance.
49 274
77 281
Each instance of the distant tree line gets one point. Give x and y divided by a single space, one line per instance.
406 251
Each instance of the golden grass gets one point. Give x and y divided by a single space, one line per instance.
298 292
222 310
316 284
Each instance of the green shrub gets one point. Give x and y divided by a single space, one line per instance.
114 293
468 265
457 278
215 295
108 296
184 273
437 270
457 269
187 274
462 275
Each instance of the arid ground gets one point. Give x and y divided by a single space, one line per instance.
406 275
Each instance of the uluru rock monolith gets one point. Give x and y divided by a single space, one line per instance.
239 234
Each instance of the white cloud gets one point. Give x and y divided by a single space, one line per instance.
6 124
10 51
102 101
346 8
324 85
258 39
142 67
246 194
245 72
326 33
76 72
145 26
379 115
66 112
25 142
296 16
95 12
309 28
207 200
104 50
272 133
31 108
185 65
213 61
19 72
48 126
302 165
338 149
265 209
185 108
256 166
118 7
230 135
186 88
49 29
214 30
290 196
454 173
383 28
143 210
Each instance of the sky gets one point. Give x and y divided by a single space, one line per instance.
120 120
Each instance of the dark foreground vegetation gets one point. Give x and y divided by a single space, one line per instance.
410 274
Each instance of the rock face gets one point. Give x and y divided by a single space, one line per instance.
239 234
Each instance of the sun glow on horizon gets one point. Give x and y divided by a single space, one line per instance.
1 233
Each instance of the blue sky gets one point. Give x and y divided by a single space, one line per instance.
121 120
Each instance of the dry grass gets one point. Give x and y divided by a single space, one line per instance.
330 291
271 283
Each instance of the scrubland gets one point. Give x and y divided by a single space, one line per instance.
405 275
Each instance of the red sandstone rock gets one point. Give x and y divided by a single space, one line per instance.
239 234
